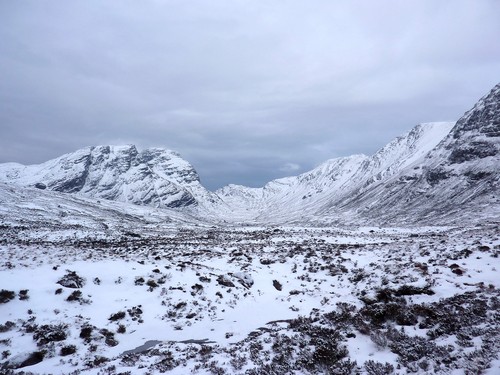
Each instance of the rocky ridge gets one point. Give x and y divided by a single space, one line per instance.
154 177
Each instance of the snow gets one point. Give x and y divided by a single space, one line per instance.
227 316
245 278
333 181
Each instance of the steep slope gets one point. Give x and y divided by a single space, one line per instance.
154 177
334 181
457 180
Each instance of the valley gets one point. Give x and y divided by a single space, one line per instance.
118 261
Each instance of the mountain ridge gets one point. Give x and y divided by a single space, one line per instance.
155 176
433 171
336 179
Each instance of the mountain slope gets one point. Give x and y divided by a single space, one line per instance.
154 177
30 213
436 171
458 179
334 181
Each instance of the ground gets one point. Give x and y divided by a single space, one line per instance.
252 300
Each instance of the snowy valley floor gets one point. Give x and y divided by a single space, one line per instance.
252 300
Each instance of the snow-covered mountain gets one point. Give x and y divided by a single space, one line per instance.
30 213
154 177
334 181
437 170
442 171
459 178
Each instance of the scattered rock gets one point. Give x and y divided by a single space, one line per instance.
277 285
225 281
245 279
24 360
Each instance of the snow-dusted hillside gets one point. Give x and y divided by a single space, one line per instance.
31 213
154 177
458 180
436 171
331 183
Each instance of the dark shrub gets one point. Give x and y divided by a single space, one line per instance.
86 332
377 368
72 280
75 296
98 360
68 350
135 312
111 341
7 326
49 333
6 295
152 284
23 295
410 290
117 316
110 337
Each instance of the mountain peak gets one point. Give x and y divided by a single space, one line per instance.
156 177
484 117
477 134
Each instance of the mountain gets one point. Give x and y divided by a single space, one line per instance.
436 172
28 213
457 179
334 181
153 177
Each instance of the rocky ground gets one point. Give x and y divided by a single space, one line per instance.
249 300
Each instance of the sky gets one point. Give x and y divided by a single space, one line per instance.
247 91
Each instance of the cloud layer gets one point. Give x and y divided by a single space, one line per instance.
247 91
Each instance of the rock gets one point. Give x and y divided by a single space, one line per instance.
24 360
245 279
224 280
277 285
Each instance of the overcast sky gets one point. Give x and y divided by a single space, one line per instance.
247 91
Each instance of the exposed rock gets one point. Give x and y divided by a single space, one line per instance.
225 280
245 279
277 285
24 360
72 280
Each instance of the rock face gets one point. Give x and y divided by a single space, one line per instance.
154 177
